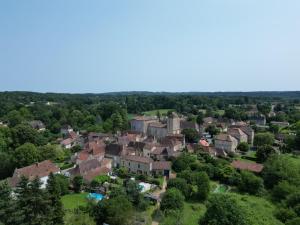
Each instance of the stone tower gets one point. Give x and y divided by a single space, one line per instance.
173 124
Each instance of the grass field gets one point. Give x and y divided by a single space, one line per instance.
163 112
72 201
258 210
192 213
130 116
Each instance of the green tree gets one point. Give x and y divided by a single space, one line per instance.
264 152
14 118
182 162
26 155
191 135
200 117
212 130
284 215
262 139
181 185
243 147
282 190
117 121
280 168
203 185
7 205
114 211
223 210
6 165
77 183
264 108
63 183
54 190
52 152
23 133
295 221
250 183
133 192
33 202
172 200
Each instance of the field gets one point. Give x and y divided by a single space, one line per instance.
72 201
192 213
163 112
258 210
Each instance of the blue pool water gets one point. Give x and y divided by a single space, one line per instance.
95 196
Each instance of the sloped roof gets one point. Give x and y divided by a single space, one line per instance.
136 158
161 165
251 166
224 137
41 169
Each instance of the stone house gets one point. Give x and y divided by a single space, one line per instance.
114 152
226 142
41 170
238 134
137 164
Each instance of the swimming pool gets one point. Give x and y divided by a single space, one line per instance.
95 196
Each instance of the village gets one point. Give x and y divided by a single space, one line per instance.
145 152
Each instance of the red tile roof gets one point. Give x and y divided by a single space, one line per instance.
161 165
242 165
41 169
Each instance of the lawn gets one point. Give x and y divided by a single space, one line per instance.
72 201
221 189
259 211
295 159
163 112
130 116
192 213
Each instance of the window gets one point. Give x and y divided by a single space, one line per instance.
139 166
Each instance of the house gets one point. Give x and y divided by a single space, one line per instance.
209 120
114 152
148 148
238 134
250 166
258 119
67 143
92 150
162 153
137 164
161 168
226 142
38 125
189 125
153 127
66 129
203 143
90 169
247 130
41 170
128 137
157 129
141 123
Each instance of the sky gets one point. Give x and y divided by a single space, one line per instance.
98 46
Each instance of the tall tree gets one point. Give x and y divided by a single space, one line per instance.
33 202
223 210
26 155
53 188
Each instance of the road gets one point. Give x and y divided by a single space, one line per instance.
159 193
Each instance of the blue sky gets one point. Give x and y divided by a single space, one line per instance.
149 45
